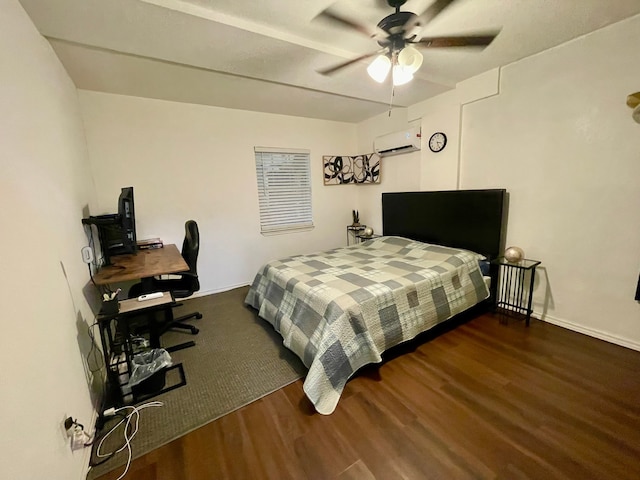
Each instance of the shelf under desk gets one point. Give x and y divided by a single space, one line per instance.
132 305
117 344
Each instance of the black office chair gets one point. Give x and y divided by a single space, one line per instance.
182 287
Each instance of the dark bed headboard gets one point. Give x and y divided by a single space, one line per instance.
469 219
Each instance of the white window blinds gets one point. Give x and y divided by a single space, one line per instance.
284 189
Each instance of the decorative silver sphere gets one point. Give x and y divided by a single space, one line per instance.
367 232
514 254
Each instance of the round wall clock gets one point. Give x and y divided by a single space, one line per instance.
437 142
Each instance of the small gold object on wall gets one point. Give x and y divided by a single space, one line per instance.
633 101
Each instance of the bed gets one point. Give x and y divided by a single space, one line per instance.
340 309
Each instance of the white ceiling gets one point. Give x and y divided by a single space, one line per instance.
263 55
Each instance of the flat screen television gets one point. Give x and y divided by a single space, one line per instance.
117 231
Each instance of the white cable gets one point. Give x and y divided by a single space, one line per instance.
127 440
127 420
135 410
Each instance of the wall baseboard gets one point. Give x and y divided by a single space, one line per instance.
592 332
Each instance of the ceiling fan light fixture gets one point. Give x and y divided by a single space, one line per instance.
379 68
401 75
399 34
410 59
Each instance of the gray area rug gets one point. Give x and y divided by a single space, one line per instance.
238 358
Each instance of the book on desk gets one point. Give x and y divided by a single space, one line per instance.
149 243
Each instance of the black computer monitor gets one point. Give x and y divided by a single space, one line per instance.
126 210
117 231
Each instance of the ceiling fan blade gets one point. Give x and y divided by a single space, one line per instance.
340 66
331 15
428 15
382 4
456 41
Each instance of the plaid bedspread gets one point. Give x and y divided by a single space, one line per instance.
338 310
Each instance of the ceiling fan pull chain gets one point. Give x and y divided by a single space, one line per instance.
393 92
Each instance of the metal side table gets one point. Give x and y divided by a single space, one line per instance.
352 233
513 294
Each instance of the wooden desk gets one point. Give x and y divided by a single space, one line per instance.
142 264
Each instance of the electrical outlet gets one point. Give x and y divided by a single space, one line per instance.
87 254
68 426
65 433
75 434
80 439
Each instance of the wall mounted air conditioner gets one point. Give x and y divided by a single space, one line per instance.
398 142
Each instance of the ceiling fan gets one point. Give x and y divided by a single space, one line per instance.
399 37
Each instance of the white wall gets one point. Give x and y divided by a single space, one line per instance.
192 161
441 170
554 130
398 173
45 184
423 170
561 139
558 136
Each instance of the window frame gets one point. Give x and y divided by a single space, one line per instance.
283 177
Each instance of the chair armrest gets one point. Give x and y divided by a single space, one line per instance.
176 276
188 274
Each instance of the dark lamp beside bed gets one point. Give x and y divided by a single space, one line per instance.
514 254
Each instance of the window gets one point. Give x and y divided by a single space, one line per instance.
284 189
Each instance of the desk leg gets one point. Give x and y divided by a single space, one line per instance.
111 387
103 339
154 329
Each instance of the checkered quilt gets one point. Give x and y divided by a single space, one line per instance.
338 310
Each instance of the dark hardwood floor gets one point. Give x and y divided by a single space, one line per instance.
484 400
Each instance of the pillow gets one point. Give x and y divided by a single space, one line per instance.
484 267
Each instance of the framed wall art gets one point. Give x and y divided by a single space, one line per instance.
345 170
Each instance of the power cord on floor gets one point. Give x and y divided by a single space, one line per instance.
131 424
95 360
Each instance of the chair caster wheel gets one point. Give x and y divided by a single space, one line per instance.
199 316
194 330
